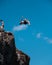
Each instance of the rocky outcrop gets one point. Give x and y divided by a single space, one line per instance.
9 55
22 58
7 49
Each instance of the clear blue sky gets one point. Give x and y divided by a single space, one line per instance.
36 40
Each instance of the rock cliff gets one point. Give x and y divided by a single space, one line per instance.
9 55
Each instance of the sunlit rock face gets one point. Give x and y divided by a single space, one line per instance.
9 55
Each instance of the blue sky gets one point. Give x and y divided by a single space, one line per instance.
36 39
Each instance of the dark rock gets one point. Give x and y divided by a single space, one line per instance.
9 55
22 58
7 49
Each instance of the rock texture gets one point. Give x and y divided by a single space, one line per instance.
9 55
22 58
